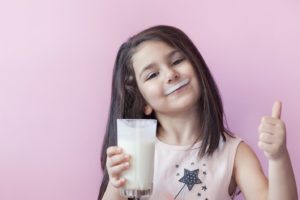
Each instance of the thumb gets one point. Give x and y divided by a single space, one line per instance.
276 110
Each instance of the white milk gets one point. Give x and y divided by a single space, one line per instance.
137 138
139 176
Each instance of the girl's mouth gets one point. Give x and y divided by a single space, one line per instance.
177 86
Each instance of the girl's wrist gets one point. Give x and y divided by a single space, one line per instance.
281 157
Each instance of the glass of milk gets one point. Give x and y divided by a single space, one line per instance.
137 138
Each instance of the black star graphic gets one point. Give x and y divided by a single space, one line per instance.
190 178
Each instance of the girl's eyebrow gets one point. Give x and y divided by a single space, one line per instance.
149 66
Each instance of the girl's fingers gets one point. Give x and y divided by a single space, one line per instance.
116 163
271 120
267 138
117 159
272 133
267 128
116 170
277 129
113 150
276 110
272 150
118 182
114 174
265 146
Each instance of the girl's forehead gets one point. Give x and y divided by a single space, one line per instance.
151 47
150 51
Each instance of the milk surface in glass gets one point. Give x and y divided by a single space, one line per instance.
137 138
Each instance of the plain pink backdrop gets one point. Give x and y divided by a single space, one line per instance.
56 60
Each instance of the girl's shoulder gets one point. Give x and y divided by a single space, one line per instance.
231 143
244 155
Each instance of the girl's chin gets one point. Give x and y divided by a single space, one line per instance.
177 110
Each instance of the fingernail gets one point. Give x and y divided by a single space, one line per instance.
122 180
127 157
126 164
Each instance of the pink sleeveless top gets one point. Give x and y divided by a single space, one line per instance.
180 175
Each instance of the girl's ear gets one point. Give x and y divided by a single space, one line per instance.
148 110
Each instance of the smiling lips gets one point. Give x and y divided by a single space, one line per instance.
176 86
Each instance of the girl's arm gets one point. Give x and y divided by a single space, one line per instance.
282 184
247 170
272 140
249 175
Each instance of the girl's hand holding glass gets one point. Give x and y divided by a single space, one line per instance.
117 162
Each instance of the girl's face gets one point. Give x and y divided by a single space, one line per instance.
165 78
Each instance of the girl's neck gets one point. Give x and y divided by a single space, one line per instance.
183 129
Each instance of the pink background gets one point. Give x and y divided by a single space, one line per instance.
56 60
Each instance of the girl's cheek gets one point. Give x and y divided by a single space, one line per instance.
155 91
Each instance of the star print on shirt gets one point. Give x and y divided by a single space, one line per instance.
190 178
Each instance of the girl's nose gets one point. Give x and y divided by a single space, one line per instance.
172 75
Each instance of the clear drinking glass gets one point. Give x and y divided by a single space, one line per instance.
137 138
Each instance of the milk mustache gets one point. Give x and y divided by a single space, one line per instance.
137 138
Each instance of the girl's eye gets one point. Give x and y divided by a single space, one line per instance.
151 75
176 62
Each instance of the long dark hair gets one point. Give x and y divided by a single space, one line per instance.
127 101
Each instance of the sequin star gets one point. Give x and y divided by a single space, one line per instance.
190 178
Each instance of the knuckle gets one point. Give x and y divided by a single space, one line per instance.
115 182
118 169
113 150
113 160
260 145
260 127
116 159
261 136
114 173
109 151
126 165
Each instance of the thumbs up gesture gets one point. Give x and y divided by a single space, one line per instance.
272 134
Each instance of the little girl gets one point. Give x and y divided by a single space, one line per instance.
160 74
